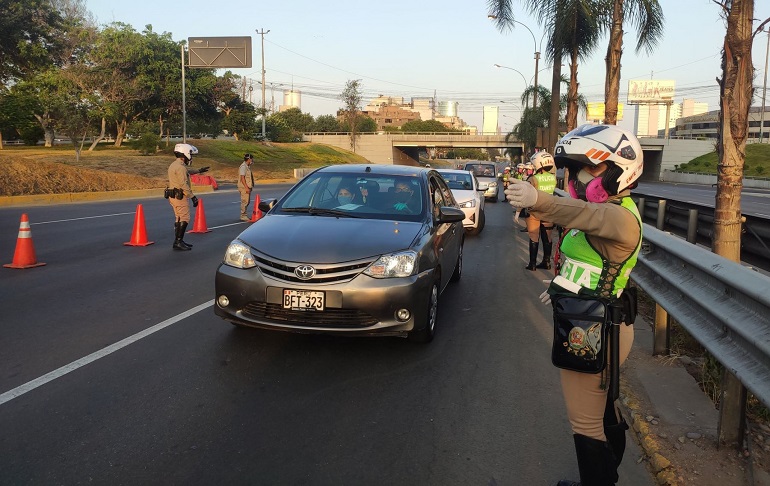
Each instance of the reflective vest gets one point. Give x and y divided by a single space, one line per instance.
584 267
546 182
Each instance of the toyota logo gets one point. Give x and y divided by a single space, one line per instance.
304 272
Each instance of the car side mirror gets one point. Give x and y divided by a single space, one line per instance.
447 214
267 204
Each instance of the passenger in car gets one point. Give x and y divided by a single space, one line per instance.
404 199
345 195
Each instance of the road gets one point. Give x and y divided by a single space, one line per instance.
754 202
114 369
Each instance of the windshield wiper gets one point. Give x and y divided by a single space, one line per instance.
321 211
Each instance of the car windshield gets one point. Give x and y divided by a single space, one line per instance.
399 198
482 170
458 181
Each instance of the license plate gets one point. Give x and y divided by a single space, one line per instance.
304 300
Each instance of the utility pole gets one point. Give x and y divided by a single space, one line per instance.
764 89
262 33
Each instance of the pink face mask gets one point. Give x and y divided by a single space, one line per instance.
593 191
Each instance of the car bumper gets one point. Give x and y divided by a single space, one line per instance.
360 306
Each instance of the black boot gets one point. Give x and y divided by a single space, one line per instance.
178 233
615 431
533 246
547 246
182 231
596 463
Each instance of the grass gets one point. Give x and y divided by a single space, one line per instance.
57 169
757 163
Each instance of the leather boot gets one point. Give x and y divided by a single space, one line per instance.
182 231
545 237
596 463
533 246
178 233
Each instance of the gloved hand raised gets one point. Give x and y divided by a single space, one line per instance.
203 169
194 200
521 194
400 206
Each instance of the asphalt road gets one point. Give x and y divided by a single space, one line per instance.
754 202
114 369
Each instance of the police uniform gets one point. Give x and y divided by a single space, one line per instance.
245 184
537 229
179 183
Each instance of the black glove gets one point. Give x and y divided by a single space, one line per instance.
203 169
194 200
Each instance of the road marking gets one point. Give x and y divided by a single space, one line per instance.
29 386
84 217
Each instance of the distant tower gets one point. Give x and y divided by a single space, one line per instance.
291 99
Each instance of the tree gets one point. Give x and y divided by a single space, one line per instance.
427 126
241 120
296 120
351 97
326 123
28 32
647 16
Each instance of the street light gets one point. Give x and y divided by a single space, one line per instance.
537 54
526 85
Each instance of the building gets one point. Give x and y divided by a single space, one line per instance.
650 120
392 116
706 125
489 123
291 99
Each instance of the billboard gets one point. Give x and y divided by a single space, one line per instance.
595 111
650 91
219 52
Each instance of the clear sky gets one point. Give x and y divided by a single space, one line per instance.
422 48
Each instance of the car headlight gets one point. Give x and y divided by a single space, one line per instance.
239 255
493 184
401 264
468 204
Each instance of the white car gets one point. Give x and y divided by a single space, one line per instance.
469 196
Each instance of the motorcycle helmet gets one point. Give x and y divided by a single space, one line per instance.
590 145
542 160
185 151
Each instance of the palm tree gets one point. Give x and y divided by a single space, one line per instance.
647 16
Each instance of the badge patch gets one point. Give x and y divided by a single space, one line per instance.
577 338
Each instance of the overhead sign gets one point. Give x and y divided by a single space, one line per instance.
650 91
219 52
595 111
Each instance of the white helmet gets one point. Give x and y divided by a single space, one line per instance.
186 150
542 160
594 144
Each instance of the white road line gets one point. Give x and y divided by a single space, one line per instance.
29 386
85 217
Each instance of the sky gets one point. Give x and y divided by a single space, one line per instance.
441 48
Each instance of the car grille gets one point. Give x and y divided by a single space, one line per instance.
328 318
324 273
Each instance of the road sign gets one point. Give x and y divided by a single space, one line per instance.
219 52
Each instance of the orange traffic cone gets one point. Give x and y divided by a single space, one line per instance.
24 256
139 235
200 220
256 214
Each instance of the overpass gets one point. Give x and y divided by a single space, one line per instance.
403 148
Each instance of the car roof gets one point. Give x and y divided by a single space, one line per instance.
453 171
380 169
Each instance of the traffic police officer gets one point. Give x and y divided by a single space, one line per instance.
245 184
542 180
179 191
599 251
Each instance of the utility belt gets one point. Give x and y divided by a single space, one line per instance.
585 326
175 193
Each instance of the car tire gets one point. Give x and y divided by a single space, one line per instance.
479 227
458 273
427 331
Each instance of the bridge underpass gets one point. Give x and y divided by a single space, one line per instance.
403 149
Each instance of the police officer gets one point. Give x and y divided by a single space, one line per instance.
543 180
245 184
599 251
179 191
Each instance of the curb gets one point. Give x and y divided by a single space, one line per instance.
79 197
661 466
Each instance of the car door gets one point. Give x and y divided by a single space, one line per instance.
447 236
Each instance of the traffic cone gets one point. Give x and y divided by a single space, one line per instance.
24 256
139 235
256 214
200 220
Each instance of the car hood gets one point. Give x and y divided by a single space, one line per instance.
325 239
463 195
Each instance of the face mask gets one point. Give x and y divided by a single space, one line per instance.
345 199
588 188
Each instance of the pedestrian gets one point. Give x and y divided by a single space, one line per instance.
599 252
245 184
179 192
543 180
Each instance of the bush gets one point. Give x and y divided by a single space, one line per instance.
148 143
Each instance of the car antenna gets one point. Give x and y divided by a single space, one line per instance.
368 169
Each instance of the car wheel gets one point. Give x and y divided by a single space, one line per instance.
425 334
482 220
459 267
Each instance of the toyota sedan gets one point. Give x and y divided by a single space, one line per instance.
469 196
349 250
